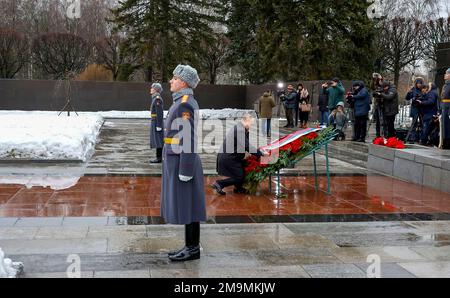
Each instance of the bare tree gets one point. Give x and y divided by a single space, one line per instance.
401 32
111 52
400 41
213 55
13 52
435 31
61 54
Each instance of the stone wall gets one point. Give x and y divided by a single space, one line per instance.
419 165
130 96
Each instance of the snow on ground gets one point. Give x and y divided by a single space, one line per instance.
53 182
47 136
205 113
43 135
8 268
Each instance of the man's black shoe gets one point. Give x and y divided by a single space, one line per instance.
175 252
218 189
155 161
187 254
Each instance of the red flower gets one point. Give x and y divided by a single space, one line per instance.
395 143
379 141
311 136
391 143
296 146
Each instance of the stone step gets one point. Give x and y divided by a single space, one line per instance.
360 147
348 155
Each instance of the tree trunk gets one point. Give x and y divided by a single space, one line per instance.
149 74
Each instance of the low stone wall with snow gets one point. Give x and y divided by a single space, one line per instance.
47 136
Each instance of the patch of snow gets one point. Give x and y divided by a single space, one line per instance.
29 181
205 113
47 136
8 268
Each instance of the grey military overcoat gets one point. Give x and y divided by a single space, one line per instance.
182 202
157 115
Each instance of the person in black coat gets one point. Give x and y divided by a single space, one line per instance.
361 107
428 109
389 98
231 157
323 107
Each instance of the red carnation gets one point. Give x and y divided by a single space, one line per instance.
379 141
395 143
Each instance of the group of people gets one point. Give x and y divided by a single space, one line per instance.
424 100
182 191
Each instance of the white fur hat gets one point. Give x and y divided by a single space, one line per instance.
187 74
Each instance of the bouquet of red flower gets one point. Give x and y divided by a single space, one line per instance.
391 143
281 154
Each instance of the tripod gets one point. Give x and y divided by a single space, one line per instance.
416 127
378 112
68 106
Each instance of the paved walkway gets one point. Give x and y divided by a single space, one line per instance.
367 198
405 249
123 149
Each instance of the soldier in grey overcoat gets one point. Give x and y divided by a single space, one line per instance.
157 122
183 195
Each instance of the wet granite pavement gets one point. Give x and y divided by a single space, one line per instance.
299 250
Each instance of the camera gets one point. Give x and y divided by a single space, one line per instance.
282 95
416 102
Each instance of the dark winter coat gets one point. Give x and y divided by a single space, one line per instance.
230 160
428 107
361 99
390 101
323 101
290 100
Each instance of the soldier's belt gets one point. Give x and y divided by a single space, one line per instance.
446 100
154 115
172 141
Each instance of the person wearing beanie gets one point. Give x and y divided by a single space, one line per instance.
339 120
183 195
157 122
336 93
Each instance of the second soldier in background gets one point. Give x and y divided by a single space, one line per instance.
157 122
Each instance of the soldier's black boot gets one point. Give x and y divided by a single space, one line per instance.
158 156
192 249
175 252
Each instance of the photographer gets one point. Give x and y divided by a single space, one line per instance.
323 107
413 94
335 91
427 107
388 98
376 85
361 103
289 99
